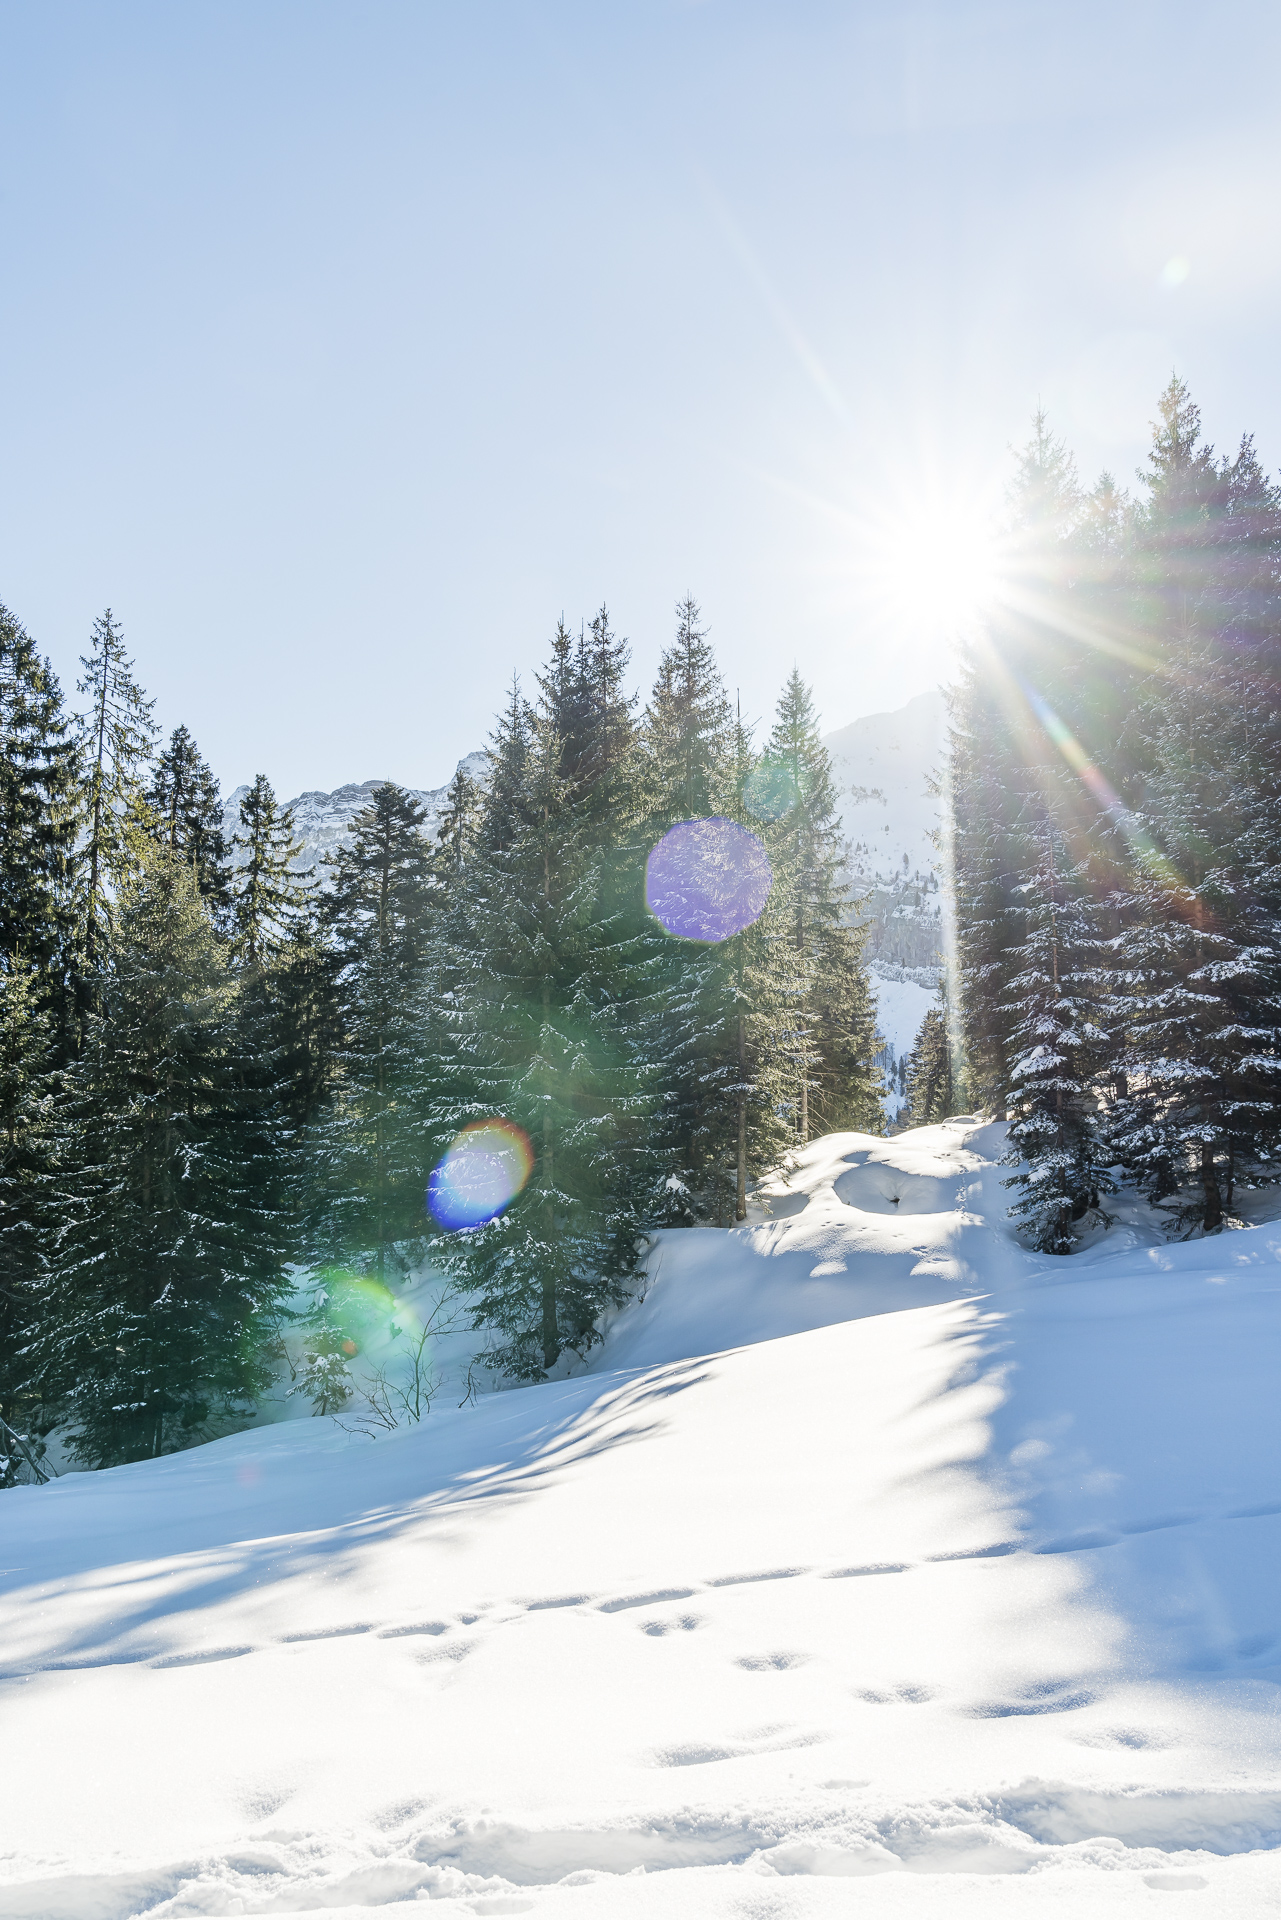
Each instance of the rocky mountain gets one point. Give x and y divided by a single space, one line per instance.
324 820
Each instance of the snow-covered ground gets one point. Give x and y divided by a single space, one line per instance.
869 1548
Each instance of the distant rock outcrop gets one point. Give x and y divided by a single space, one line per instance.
324 820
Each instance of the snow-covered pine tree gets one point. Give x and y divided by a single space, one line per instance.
169 1242
184 798
116 738
1198 953
371 1153
1029 641
1058 1045
266 893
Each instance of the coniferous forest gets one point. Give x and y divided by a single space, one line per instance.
217 1073
1116 795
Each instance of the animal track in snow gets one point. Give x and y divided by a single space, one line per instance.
650 1599
772 1662
1083 1540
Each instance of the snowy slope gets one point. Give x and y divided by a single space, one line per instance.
881 765
870 1547
323 821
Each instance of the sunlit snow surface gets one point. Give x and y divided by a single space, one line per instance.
871 1549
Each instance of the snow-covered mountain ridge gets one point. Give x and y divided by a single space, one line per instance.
324 821
869 1547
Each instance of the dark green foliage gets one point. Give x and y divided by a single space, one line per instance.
265 891
929 1082
832 1018
545 989
39 816
169 1243
27 1089
1057 1046
116 735
371 1152
184 798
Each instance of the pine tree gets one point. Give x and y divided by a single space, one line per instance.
265 891
170 1243
929 1082
833 1019
39 808
116 736
545 978
1198 953
374 1154
184 798
457 831
687 725
1058 1044
26 1113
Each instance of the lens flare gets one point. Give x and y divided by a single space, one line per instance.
480 1175
770 790
707 879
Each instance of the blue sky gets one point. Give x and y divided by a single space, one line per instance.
344 346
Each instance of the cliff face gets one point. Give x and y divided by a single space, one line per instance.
324 820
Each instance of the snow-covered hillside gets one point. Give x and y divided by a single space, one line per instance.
882 764
324 820
870 1547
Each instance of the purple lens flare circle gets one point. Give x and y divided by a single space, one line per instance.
707 879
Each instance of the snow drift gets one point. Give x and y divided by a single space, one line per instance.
869 1547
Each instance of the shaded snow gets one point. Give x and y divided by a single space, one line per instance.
869 1546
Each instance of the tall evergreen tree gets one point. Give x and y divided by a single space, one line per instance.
39 815
265 891
374 1156
1058 1044
833 1020
929 1082
547 976
184 798
170 1241
1199 952
26 1141
116 737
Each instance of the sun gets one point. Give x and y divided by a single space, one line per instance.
934 567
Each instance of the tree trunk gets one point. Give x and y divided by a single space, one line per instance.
740 1190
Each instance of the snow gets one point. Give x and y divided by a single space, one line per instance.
901 1005
882 765
869 1547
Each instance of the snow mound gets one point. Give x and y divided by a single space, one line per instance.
869 1546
